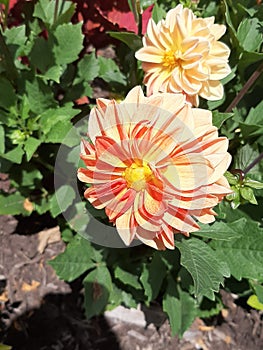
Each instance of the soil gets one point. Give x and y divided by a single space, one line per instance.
40 312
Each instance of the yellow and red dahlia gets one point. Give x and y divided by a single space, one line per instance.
182 54
155 164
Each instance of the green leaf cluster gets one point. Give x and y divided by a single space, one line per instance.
242 187
43 73
45 68
5 347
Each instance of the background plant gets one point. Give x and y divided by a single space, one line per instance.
45 68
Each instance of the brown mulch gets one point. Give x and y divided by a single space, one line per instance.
40 312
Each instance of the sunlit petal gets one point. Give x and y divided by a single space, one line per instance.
182 54
155 164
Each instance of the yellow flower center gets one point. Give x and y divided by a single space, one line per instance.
137 175
171 59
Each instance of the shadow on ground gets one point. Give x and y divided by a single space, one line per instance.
58 324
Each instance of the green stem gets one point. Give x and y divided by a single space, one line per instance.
56 11
2 19
46 165
133 76
252 164
8 61
245 88
4 14
139 12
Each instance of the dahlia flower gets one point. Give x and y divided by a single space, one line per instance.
155 164
182 54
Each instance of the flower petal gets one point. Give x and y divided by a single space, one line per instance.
182 54
212 90
188 172
155 164
180 220
126 227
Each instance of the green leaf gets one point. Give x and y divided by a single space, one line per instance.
248 58
31 146
234 198
53 73
15 36
211 312
44 10
67 14
127 278
203 265
51 117
229 77
78 90
12 204
118 297
151 280
19 44
88 68
220 118
251 131
244 255
146 3
248 194
110 72
62 200
41 55
67 235
2 139
253 184
6 3
7 96
69 40
128 300
79 219
5 165
228 17
158 13
40 96
42 205
171 258
249 35
245 155
254 302
134 9
17 136
218 231
133 41
24 107
59 132
15 155
28 176
181 309
259 291
35 27
98 286
255 116
215 104
231 178
75 260
251 11
5 347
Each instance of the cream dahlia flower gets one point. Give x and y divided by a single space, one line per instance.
155 164
182 54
